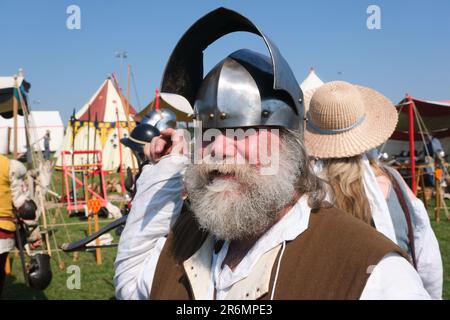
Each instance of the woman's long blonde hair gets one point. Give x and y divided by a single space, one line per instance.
345 177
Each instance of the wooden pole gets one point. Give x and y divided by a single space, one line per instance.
89 225
437 208
438 195
94 206
127 114
44 220
86 186
127 105
122 180
422 183
74 185
98 253
15 114
86 170
411 145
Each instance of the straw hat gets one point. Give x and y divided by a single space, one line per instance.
345 120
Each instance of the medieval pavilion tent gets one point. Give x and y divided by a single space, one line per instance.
99 125
431 117
434 116
310 84
417 119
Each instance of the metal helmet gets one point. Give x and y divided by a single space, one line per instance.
251 102
40 272
27 210
245 89
161 119
139 136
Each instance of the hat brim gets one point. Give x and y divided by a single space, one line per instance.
379 124
132 145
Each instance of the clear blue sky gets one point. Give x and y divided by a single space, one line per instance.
411 53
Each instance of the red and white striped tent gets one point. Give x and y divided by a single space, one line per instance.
98 125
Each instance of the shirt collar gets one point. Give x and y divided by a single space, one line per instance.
288 228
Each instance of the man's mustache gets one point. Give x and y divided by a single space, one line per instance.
240 173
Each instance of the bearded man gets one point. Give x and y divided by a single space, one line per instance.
255 225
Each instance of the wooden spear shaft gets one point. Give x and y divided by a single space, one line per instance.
44 220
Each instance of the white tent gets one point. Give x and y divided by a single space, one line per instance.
310 84
39 123
11 82
111 151
96 128
4 134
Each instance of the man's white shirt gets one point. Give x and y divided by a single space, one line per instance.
156 206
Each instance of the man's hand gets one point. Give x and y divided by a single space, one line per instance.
35 244
170 141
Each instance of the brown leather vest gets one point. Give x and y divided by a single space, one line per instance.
329 260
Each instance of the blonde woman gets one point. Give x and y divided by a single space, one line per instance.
344 121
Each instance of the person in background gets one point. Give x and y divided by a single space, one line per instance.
47 145
430 154
141 136
344 122
433 147
14 200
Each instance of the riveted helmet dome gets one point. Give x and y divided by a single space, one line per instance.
245 89
161 119
252 102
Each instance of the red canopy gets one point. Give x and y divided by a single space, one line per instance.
435 115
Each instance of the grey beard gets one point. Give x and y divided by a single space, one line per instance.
244 207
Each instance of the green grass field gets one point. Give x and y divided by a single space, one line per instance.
442 231
96 281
